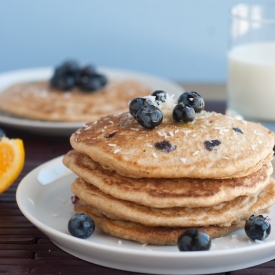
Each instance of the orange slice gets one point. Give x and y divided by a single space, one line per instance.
12 158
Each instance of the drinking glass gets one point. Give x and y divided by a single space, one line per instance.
251 63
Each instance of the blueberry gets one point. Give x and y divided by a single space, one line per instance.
165 146
137 103
192 99
160 95
149 116
81 226
87 70
211 144
183 113
92 82
64 82
194 240
257 227
238 130
65 75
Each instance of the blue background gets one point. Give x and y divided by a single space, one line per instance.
182 40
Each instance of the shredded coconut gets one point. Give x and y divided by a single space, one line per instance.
116 151
253 147
110 144
258 134
195 153
171 133
155 155
183 160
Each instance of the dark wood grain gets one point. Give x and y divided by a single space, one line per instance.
24 249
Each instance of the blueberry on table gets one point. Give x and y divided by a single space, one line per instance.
160 95
81 226
257 227
183 113
149 116
137 103
193 99
194 240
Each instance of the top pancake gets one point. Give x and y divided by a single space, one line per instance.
39 101
119 143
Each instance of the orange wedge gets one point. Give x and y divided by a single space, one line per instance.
12 158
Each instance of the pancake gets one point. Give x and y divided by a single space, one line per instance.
223 214
39 101
213 146
144 234
163 192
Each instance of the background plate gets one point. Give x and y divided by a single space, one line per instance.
67 128
44 194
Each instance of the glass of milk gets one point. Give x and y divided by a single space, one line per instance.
251 63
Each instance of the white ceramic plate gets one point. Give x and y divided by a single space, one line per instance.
67 128
44 195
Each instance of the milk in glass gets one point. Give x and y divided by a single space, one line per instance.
251 81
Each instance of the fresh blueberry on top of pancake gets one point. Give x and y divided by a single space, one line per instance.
64 76
69 75
92 82
137 103
149 116
160 95
192 99
183 113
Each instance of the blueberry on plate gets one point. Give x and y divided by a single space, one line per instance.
194 240
257 227
193 99
160 95
92 82
81 226
149 116
183 113
137 103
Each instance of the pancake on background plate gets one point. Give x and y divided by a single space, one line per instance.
73 94
167 165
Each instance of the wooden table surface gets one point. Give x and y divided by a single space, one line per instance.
26 250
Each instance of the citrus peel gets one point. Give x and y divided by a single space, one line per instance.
12 158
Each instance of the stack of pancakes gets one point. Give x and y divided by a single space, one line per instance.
151 185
